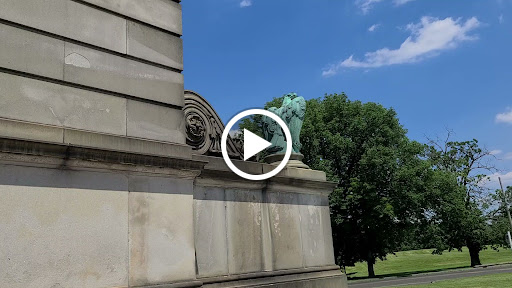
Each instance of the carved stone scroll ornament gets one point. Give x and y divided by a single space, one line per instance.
204 128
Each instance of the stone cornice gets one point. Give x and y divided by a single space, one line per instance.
331 270
291 180
72 156
258 278
36 132
208 171
297 185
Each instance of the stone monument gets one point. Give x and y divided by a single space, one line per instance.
109 170
292 111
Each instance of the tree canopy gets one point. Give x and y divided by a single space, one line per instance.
457 209
363 148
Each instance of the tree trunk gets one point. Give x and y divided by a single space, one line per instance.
474 253
370 261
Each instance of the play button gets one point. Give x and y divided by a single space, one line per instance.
253 144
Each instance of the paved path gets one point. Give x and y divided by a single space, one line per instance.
430 277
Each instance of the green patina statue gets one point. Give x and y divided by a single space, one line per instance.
292 111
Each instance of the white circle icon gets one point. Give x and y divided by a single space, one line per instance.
224 138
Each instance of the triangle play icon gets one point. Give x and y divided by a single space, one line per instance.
253 144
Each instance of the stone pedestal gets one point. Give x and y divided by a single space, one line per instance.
294 162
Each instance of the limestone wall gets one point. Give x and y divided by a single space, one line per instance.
103 66
251 227
75 223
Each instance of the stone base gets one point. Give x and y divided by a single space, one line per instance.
294 162
281 279
144 220
276 279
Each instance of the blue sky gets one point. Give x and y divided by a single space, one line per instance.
440 64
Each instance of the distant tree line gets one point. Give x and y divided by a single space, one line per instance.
393 193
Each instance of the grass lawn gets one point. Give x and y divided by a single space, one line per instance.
418 261
489 281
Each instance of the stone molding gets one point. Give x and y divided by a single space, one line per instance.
301 186
189 284
290 180
307 272
207 171
211 178
204 128
220 180
71 156
36 132
260 278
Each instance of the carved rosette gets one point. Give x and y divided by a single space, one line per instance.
204 128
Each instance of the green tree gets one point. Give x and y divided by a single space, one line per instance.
363 148
500 222
456 207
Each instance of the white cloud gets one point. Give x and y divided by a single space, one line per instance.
506 156
245 3
506 180
332 70
428 38
373 27
500 19
366 5
505 117
401 2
